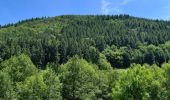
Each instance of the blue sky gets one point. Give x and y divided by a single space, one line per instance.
12 11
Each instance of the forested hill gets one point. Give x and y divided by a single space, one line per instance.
119 40
85 58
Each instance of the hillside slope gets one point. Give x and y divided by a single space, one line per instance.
121 40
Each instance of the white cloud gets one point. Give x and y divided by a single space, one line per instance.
105 7
125 2
113 8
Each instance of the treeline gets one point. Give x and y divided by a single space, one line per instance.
123 57
80 80
55 40
85 58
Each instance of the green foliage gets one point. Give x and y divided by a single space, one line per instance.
56 39
93 55
38 62
43 86
6 88
106 80
33 88
103 64
53 85
79 79
115 57
140 83
166 68
19 67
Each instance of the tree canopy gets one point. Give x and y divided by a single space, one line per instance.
90 57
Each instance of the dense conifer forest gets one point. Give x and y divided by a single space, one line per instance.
90 57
